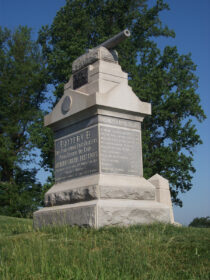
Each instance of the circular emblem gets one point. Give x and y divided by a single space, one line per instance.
65 107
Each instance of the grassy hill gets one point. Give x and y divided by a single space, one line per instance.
139 252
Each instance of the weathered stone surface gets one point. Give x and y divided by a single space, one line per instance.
100 186
99 213
83 214
72 196
119 192
96 192
163 194
129 212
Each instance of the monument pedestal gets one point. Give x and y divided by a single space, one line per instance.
102 200
100 186
103 212
98 152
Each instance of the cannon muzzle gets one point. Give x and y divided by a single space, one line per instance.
114 41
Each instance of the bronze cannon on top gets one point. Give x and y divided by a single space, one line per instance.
104 52
115 40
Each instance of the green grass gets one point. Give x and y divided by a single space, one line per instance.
139 252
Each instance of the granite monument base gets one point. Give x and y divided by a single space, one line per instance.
100 186
103 212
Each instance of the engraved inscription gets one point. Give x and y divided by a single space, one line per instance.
119 122
76 155
94 120
75 127
80 78
120 151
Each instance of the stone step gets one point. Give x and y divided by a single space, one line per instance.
100 186
103 212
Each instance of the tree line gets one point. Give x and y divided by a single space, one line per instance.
164 78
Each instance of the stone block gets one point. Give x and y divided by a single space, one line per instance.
100 213
100 186
130 212
83 214
163 192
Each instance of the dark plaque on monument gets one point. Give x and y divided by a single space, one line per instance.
120 151
80 78
76 155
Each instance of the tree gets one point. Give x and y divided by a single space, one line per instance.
22 87
165 79
203 222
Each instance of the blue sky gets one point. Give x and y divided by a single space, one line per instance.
191 22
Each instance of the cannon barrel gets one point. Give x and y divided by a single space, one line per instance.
95 54
114 41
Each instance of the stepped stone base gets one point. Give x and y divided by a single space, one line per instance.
100 186
107 212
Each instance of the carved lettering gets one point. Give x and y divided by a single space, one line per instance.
119 122
120 151
76 155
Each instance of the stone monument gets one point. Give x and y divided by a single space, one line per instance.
98 151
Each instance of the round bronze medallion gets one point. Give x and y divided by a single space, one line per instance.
65 107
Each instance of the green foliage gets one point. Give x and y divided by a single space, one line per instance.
203 222
165 79
50 182
22 196
169 135
22 85
139 252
